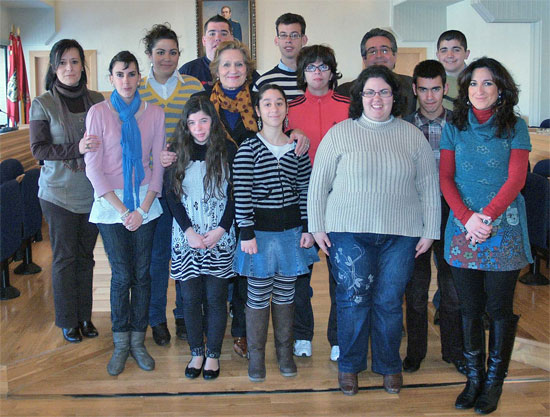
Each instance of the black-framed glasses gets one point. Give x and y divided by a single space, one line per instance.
385 93
313 68
293 36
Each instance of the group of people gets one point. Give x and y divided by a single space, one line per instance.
230 182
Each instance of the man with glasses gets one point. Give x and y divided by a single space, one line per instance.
217 29
430 86
379 47
291 37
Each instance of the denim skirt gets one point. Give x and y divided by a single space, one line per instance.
279 253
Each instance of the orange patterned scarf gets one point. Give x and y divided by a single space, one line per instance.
242 104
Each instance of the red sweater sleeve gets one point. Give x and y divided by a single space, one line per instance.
517 172
447 170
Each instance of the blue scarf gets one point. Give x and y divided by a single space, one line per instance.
131 147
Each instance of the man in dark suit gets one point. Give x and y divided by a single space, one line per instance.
379 47
236 26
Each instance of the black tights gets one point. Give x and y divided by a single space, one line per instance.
485 290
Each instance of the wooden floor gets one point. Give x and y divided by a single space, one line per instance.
45 376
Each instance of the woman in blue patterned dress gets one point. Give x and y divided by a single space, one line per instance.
484 156
203 237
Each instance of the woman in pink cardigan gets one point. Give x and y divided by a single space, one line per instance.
126 186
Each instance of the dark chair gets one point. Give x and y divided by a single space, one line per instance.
545 124
32 220
542 168
537 204
10 169
11 224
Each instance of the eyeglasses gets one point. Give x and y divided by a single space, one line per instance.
313 68
293 36
383 51
385 93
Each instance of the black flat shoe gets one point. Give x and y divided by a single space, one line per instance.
72 334
88 329
211 374
411 365
193 373
161 334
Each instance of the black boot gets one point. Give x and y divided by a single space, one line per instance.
474 354
283 318
501 343
257 322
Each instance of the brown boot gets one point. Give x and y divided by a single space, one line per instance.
257 321
240 347
283 318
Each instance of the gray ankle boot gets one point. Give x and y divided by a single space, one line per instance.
139 353
283 318
257 321
120 354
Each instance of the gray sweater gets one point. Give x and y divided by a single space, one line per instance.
374 177
58 184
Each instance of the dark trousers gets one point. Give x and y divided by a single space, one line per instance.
215 293
416 296
160 269
303 312
129 255
486 290
332 327
73 240
238 324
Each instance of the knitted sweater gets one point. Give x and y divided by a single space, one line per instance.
315 115
173 106
270 194
374 177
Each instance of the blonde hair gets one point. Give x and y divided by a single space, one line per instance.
236 45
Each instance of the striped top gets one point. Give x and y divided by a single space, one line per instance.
173 105
270 194
284 79
375 177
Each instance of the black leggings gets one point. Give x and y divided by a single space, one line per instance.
491 291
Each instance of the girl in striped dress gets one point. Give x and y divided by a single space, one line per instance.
274 247
198 193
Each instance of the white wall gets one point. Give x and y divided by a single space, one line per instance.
110 26
509 43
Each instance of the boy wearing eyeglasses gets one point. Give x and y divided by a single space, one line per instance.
291 37
379 47
430 86
315 112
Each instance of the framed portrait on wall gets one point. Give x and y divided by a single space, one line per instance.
240 13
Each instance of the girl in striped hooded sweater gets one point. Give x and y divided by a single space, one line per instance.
274 247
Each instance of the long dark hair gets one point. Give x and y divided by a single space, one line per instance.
505 115
58 49
375 71
217 165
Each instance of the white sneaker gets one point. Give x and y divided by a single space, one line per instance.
334 353
302 348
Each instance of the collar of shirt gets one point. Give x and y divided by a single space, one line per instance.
164 90
284 67
421 120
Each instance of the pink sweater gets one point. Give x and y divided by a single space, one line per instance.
104 167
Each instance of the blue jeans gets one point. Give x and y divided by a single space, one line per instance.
371 272
160 270
129 254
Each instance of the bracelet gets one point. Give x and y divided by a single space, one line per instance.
125 214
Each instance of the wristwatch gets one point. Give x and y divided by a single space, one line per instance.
487 221
144 214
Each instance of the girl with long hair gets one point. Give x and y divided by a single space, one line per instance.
199 195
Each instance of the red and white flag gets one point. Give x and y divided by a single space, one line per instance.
18 85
